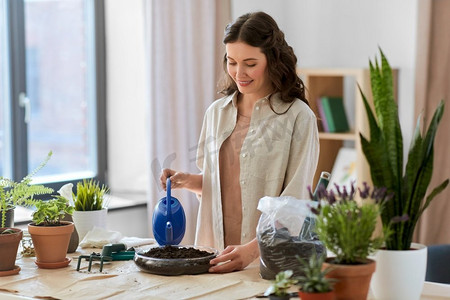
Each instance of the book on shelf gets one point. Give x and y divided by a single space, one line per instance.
334 113
322 116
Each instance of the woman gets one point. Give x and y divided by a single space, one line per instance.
259 140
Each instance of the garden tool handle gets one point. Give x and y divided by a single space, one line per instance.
108 249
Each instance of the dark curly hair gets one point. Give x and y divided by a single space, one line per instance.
258 29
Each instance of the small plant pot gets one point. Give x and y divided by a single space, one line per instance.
9 243
51 243
9 217
87 220
317 296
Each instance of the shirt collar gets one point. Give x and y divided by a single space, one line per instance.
233 99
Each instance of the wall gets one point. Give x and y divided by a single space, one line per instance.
346 34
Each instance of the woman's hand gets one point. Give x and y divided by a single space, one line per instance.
235 258
179 180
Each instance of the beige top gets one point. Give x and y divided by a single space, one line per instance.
229 181
278 157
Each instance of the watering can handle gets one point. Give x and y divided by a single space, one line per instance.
169 199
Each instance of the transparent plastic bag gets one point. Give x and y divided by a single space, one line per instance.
286 229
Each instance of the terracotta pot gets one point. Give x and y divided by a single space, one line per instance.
316 296
400 274
9 244
51 242
353 280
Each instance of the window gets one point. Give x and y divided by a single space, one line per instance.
53 86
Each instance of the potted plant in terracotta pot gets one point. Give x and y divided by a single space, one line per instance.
278 290
409 184
91 206
50 234
9 243
347 228
314 285
14 193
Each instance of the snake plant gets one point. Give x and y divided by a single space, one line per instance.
384 153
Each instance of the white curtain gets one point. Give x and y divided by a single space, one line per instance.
432 85
184 43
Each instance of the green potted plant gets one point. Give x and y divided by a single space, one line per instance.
91 206
278 290
9 243
50 234
14 193
314 285
347 228
409 184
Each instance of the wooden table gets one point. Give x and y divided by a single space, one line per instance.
123 280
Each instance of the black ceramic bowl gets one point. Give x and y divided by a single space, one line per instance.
175 266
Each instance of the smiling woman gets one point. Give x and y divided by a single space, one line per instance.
247 66
259 140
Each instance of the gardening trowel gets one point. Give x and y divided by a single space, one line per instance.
169 220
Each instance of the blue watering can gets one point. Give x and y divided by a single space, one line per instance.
169 220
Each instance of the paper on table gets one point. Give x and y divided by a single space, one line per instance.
99 237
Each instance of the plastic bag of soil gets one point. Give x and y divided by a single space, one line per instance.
286 228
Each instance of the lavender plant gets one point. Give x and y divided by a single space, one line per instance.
346 227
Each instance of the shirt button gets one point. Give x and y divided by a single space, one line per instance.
244 235
244 155
242 182
252 131
257 108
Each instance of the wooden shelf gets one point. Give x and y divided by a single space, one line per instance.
330 82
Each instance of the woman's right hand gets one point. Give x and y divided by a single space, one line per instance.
178 179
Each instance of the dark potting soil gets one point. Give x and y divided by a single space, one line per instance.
278 251
170 260
169 252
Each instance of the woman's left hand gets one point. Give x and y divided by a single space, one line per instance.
235 258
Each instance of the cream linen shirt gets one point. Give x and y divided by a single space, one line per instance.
278 158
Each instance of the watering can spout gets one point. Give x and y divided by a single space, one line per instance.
169 233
